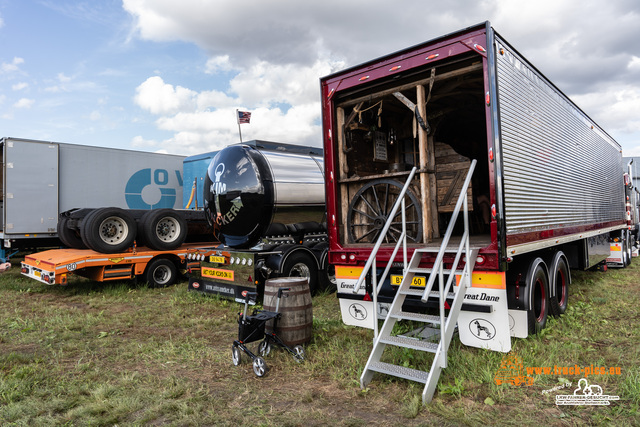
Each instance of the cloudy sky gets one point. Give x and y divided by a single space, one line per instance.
168 75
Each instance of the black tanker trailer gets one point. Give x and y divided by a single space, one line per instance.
265 203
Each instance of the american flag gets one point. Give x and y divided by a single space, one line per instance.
244 117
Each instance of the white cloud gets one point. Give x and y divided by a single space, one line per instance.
12 66
158 97
95 115
276 52
19 86
218 64
24 103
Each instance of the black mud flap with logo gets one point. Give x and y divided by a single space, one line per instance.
225 290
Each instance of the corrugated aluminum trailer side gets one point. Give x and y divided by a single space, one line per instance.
40 179
561 173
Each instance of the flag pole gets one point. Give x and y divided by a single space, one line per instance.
238 120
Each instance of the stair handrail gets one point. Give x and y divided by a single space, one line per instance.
383 234
462 198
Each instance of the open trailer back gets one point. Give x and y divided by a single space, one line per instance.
545 193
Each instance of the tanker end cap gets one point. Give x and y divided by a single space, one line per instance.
239 193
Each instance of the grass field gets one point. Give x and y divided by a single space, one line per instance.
107 354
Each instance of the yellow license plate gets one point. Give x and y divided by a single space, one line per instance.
217 259
37 273
417 281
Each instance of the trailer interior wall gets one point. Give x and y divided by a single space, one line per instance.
561 173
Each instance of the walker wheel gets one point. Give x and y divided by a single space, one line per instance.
259 366
235 355
265 348
299 353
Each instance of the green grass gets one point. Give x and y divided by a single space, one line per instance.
119 353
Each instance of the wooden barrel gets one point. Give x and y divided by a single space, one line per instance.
295 326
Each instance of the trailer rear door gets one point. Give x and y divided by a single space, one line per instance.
30 193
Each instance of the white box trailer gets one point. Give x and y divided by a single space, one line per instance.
40 179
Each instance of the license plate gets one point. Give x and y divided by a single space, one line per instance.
37 273
216 259
417 281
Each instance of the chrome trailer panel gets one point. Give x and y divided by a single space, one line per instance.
561 171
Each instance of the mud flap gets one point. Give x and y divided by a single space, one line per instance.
486 330
518 323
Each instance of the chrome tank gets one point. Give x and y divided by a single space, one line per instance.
249 187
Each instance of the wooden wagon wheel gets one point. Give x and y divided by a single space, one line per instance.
370 208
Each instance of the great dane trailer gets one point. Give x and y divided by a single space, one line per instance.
462 185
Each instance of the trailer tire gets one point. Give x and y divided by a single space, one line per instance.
559 281
302 265
163 229
328 278
109 230
161 273
536 296
69 237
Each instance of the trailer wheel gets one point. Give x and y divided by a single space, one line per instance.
108 230
163 229
161 273
536 296
560 279
302 265
69 237
369 211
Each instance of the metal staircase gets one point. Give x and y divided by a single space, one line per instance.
445 290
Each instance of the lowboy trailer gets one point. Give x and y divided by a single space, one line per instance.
158 268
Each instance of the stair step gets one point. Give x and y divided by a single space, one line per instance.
408 342
400 371
419 292
418 317
430 270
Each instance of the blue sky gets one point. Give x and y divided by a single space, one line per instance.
167 76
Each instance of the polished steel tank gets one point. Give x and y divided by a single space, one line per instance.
249 186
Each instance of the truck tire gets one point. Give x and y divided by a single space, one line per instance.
69 237
559 281
108 230
302 265
163 229
161 273
536 301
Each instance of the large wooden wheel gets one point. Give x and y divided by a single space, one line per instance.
370 208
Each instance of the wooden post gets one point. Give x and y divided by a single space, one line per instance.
343 170
425 196
433 189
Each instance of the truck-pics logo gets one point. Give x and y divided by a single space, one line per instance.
511 371
143 187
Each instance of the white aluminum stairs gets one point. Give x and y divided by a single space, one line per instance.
385 337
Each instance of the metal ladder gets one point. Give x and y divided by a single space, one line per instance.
445 290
